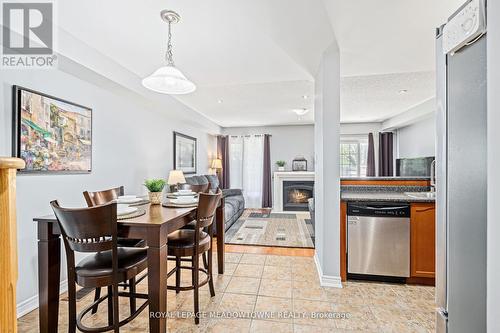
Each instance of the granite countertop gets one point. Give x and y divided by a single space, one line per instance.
385 178
381 196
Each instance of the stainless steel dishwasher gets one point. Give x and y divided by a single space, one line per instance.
378 239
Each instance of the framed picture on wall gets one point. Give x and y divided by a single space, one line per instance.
50 134
185 156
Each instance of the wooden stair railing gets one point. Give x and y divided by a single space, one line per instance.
8 243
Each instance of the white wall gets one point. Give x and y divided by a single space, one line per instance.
417 139
493 263
287 142
327 181
132 140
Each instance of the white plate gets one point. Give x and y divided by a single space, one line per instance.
185 191
125 210
184 201
128 200
191 193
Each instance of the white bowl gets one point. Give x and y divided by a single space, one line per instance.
127 197
185 191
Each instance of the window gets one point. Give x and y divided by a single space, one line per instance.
353 156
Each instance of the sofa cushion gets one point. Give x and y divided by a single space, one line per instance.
196 180
213 180
231 192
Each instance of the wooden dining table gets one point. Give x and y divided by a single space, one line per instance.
154 227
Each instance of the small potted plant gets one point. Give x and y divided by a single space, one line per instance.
281 165
155 188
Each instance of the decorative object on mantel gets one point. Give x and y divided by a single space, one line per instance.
185 156
281 165
155 188
168 79
175 177
299 164
8 243
50 134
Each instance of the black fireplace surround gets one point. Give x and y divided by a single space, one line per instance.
296 194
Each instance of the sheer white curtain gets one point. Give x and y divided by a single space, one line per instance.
246 167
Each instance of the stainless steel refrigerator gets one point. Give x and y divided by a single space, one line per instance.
461 172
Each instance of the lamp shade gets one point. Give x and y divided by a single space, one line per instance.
169 80
176 177
217 163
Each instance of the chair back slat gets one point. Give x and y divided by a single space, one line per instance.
207 205
90 229
102 197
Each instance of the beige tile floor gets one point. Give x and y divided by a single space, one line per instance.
272 288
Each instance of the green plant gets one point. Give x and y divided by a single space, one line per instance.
280 163
154 185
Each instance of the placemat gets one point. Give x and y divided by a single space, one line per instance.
173 196
137 213
174 205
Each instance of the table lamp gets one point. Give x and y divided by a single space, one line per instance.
175 177
217 164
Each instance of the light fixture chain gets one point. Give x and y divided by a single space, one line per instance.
169 55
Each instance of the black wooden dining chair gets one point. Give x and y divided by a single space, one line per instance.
193 243
94 230
97 198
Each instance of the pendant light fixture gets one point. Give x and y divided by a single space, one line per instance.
168 79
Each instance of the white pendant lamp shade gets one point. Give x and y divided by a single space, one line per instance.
169 80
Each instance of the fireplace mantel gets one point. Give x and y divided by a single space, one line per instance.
279 178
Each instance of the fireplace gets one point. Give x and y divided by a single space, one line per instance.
296 194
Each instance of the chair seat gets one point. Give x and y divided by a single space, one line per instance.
131 261
191 225
127 242
181 242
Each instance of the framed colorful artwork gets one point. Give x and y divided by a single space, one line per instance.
50 134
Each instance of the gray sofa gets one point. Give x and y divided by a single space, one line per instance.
234 202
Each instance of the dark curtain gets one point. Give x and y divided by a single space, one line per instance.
385 155
267 199
223 154
370 163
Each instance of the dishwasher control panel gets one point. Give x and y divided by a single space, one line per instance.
378 209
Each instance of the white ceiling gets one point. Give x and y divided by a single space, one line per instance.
260 56
375 98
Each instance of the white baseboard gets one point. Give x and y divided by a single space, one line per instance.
326 280
31 303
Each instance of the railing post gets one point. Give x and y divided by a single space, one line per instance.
8 243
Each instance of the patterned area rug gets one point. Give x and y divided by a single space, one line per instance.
271 229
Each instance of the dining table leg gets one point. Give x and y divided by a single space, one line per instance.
157 280
49 269
219 221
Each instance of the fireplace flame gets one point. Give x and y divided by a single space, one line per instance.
298 196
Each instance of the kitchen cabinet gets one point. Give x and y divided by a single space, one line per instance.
423 240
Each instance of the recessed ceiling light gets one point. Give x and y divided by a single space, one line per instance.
305 96
300 112
403 91
220 101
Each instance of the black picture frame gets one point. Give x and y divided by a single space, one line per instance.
187 170
16 129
